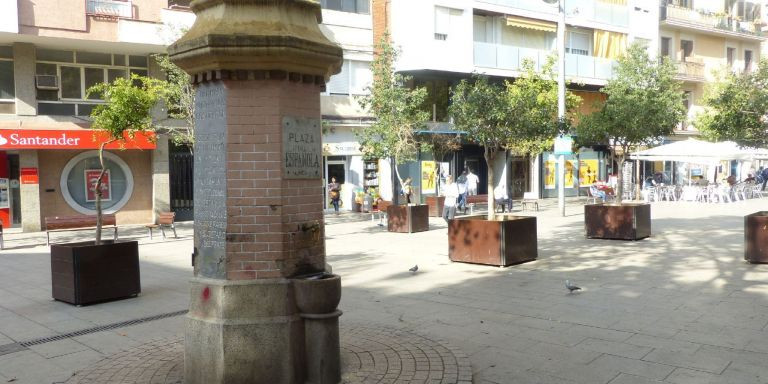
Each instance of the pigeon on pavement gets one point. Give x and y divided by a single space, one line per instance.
571 287
414 268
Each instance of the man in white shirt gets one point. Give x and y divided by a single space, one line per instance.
451 193
472 181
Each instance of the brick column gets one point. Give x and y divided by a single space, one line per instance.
259 67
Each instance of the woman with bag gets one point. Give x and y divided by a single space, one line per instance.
334 192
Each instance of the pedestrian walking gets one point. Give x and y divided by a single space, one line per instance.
461 184
451 193
334 192
472 182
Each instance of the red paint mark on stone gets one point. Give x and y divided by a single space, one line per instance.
206 293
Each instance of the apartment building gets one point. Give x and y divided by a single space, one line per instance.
349 24
51 51
705 36
444 41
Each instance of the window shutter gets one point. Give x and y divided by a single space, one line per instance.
442 20
339 83
361 77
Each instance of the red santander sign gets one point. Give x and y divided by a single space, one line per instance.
70 139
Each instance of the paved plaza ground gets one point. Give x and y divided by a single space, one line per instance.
679 307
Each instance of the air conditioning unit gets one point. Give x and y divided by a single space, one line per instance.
47 82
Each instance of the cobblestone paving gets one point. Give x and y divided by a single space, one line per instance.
369 355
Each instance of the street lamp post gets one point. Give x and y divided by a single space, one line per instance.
560 97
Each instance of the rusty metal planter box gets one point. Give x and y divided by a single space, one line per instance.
84 273
407 218
435 204
756 237
626 221
506 241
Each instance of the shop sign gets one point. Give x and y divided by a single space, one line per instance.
344 148
70 139
563 145
29 176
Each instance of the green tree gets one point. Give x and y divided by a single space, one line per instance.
519 116
396 107
127 110
643 104
179 102
736 108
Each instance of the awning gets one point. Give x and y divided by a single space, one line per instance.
698 152
538 25
21 138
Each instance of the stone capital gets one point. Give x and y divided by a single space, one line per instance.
267 35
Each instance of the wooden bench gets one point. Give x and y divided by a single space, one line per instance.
475 199
77 223
164 219
380 210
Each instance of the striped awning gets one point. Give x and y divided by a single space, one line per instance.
538 25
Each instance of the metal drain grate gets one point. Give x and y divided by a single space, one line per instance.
100 328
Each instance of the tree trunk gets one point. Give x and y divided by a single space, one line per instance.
98 192
620 176
490 157
396 198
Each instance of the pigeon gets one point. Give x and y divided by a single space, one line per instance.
570 287
414 268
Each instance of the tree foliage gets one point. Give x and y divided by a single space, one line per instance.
127 110
396 108
736 108
520 116
643 103
179 102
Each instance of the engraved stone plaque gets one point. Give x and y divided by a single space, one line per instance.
210 184
302 149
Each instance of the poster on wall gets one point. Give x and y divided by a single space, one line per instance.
444 170
587 172
428 177
550 174
570 173
91 176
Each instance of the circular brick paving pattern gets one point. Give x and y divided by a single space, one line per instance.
369 355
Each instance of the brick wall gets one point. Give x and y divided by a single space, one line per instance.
266 213
380 15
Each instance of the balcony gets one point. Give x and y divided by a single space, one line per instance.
110 8
498 56
690 71
588 67
526 5
727 25
506 57
598 12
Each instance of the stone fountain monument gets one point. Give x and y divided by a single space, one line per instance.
259 67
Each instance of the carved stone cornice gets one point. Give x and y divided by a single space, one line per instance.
257 35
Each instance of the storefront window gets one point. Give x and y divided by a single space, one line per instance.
79 194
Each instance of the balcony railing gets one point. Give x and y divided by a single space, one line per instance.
598 11
588 67
490 55
671 12
528 5
498 56
690 70
110 8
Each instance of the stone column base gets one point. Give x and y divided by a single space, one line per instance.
243 331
